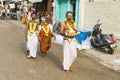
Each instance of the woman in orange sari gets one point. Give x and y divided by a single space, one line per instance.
45 36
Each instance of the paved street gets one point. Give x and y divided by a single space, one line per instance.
15 66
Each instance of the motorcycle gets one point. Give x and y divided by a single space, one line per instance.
103 42
56 27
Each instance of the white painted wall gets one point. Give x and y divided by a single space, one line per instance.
100 0
81 15
107 12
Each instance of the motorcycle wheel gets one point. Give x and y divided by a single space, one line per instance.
111 51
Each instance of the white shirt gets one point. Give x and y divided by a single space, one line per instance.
29 16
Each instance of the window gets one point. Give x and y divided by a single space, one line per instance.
91 0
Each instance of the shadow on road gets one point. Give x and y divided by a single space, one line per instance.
22 47
55 60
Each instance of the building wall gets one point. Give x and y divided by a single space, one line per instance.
99 0
62 6
107 12
102 0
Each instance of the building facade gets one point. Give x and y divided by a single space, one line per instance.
108 13
98 0
62 6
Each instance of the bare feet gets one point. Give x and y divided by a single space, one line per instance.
29 57
67 71
34 58
43 55
71 69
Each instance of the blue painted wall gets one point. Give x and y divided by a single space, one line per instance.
77 12
62 6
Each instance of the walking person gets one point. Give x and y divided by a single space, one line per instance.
68 30
3 13
29 18
0 13
25 18
45 36
8 12
31 36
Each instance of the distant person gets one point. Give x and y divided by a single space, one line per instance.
68 30
45 36
3 13
8 12
49 19
0 13
31 36
29 15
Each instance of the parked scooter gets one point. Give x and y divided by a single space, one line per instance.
103 42
56 27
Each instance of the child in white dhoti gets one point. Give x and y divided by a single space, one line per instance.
68 30
31 36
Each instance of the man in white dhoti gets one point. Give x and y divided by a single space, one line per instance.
31 36
68 30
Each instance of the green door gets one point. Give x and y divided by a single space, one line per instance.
62 6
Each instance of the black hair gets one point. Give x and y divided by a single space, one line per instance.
68 13
33 13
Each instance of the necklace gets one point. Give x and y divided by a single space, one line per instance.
46 30
68 26
33 27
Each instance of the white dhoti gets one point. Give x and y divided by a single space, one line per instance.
70 53
32 44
